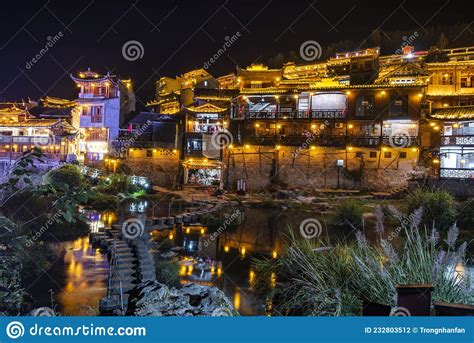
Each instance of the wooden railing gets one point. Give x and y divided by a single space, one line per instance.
465 140
309 114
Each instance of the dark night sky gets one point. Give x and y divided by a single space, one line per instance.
178 36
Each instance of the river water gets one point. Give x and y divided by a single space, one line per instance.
79 277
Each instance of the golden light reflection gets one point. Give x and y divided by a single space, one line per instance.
242 251
273 280
237 299
226 248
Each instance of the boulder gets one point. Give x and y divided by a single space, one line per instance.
152 298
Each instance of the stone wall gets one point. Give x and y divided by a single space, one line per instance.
317 167
162 167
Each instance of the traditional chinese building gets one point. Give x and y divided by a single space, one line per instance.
20 131
105 102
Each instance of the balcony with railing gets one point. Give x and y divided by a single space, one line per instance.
333 140
457 140
308 114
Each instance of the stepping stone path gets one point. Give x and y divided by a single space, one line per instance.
130 261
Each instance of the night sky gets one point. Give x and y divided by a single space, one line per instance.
178 36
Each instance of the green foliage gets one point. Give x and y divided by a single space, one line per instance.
350 212
117 183
124 169
167 273
465 217
102 202
438 207
312 279
68 174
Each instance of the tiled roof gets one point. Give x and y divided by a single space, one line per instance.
31 123
457 112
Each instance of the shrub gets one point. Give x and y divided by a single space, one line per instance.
124 169
102 202
118 183
167 273
350 212
438 207
465 216
68 174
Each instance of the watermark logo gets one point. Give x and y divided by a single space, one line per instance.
399 139
235 215
44 141
133 228
221 139
311 228
229 41
15 330
310 50
51 41
133 50
43 312
400 312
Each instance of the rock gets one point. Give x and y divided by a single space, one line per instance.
168 255
284 194
152 298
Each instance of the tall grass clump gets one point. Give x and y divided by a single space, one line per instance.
439 208
312 279
350 213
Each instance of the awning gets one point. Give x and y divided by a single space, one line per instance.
203 164
453 113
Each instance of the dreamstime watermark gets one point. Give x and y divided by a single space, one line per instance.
407 41
51 220
399 139
51 41
310 137
133 50
311 228
133 228
128 142
217 141
42 142
229 41
222 228
400 312
310 50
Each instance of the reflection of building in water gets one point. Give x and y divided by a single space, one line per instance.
86 271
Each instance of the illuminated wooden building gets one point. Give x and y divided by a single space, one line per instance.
105 101
20 131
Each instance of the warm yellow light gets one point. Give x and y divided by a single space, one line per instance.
436 161
246 146
131 149
171 236
257 125
295 96
242 251
278 147
313 126
420 95
154 150
350 148
432 124
226 248
188 230
277 96
231 146
174 151
202 231
414 149
455 125
445 105
278 126
350 126
274 254
348 93
384 149
312 147
436 128
382 92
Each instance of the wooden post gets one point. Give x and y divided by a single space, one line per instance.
416 299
